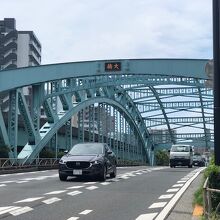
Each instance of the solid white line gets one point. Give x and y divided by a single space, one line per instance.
164 213
149 216
173 190
74 193
166 196
157 205
85 212
92 187
75 187
29 199
21 211
51 200
55 192
73 218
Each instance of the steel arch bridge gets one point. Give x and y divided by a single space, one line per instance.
136 106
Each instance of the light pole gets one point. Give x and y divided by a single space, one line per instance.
216 56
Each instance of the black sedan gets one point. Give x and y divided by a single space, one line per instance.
88 159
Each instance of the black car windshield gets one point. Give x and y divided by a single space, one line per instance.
87 149
180 148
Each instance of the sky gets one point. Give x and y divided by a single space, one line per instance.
81 30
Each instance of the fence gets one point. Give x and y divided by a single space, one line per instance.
208 194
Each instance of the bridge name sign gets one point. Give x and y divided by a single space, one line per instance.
112 66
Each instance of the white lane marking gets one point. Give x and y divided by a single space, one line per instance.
149 216
17 174
9 181
138 173
90 183
6 209
164 213
157 205
29 199
92 187
73 218
166 196
55 192
185 178
105 183
75 187
178 185
73 193
1 185
124 177
23 181
173 190
20 211
85 212
182 181
51 200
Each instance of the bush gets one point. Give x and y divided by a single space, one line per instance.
4 150
47 153
162 158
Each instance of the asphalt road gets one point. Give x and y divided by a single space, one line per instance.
137 193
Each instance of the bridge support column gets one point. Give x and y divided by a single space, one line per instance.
13 122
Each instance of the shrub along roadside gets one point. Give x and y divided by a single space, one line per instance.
162 158
213 173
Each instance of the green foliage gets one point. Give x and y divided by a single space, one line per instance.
47 153
4 150
60 154
162 158
198 196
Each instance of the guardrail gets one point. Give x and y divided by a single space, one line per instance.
7 164
208 194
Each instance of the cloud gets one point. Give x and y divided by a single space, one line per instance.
72 30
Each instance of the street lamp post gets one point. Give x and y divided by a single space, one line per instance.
216 56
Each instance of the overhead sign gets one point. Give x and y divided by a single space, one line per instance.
112 66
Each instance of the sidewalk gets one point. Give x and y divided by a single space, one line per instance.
184 209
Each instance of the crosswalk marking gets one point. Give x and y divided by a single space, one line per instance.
92 187
21 210
74 193
51 200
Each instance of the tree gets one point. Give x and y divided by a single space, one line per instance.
162 158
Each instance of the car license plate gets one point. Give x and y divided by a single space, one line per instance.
77 172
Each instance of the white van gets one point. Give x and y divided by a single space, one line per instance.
181 155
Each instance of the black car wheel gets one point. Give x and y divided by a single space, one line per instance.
103 174
114 173
63 177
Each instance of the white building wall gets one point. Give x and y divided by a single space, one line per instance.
23 50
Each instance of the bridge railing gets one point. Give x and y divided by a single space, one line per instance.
13 164
9 164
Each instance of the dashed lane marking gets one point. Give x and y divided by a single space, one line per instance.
23 181
75 187
29 199
105 183
157 205
149 216
92 187
73 218
55 192
1 185
182 181
178 185
173 190
21 210
166 196
85 212
90 183
51 200
74 193
6 209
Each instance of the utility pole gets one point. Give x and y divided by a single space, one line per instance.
216 56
